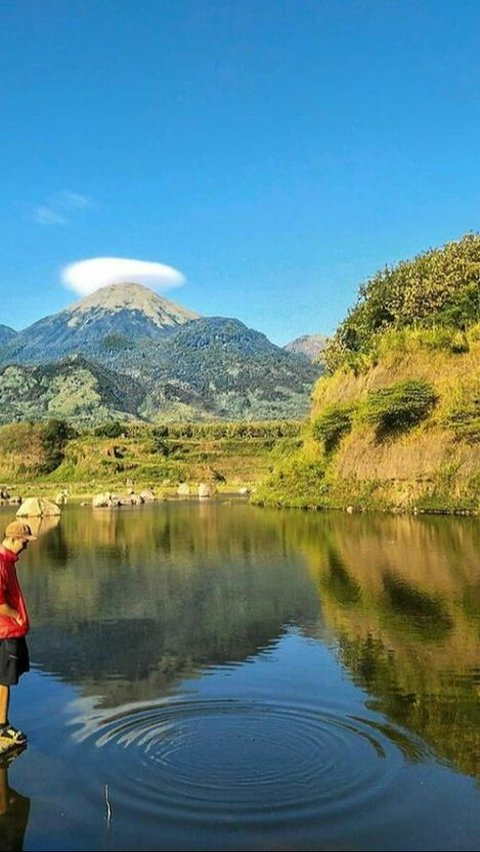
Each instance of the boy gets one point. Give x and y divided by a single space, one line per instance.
14 625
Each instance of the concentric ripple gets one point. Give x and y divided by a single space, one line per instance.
250 758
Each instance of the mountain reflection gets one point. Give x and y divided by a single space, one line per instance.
125 604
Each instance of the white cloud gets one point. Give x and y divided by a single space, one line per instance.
56 210
45 215
86 276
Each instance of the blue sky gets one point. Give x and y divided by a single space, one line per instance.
275 152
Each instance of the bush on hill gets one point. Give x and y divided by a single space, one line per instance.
332 424
398 407
440 287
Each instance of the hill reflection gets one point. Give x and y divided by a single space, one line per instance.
125 604
401 597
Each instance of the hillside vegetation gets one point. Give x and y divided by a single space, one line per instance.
396 421
43 457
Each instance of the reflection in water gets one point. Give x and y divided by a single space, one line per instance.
14 808
409 632
43 524
200 640
146 597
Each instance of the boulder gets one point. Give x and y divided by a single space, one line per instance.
37 507
131 499
206 489
183 490
105 500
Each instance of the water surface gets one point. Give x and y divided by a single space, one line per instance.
212 676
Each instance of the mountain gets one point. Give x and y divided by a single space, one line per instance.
6 334
229 371
309 345
72 389
113 317
183 366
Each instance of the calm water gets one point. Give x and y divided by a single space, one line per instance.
212 676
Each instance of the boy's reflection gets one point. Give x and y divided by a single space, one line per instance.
14 808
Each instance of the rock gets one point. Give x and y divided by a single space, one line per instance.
147 496
206 489
131 499
37 507
105 500
183 490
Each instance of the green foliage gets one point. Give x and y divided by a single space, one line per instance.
230 454
111 430
399 406
230 429
438 287
463 413
332 424
116 342
299 481
160 432
54 435
160 446
17 437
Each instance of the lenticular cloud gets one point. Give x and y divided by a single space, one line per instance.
86 276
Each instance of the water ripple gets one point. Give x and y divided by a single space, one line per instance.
250 759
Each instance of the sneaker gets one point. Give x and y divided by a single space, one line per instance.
10 753
13 735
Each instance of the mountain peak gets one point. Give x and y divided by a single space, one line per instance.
310 346
129 297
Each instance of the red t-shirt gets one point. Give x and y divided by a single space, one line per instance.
11 594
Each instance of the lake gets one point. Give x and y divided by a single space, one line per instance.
215 676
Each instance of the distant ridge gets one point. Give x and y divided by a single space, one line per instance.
6 334
182 365
309 345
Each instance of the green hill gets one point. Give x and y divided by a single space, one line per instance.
396 421
165 363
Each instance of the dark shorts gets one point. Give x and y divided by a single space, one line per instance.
14 660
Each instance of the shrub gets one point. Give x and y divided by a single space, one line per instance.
110 430
54 435
439 287
298 481
399 406
332 424
463 413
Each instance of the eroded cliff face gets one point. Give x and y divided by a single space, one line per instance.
426 462
435 461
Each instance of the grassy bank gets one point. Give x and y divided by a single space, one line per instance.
399 430
45 458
